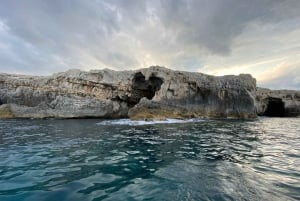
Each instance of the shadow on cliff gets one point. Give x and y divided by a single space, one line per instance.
144 88
276 107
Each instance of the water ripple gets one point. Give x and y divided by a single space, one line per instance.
165 160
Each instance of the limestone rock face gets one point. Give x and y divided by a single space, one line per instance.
154 92
71 94
279 103
186 95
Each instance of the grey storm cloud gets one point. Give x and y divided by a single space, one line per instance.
52 35
215 24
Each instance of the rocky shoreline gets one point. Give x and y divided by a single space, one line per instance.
149 93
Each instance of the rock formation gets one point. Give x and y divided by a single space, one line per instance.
277 103
186 95
150 93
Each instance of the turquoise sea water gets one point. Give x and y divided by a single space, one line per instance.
168 160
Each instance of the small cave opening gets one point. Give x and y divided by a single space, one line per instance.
144 88
275 108
3 101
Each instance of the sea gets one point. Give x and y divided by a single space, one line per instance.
196 159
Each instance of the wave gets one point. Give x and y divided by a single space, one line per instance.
147 122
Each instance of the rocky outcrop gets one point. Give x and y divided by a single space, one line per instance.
277 103
150 93
71 94
186 95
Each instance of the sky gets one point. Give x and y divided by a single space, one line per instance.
219 37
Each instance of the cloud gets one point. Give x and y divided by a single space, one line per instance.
215 24
285 75
41 37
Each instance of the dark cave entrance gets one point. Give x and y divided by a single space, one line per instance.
275 108
144 88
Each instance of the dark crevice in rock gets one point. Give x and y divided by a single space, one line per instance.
3 100
144 88
155 83
275 108
202 95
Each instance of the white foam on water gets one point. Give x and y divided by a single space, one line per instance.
147 122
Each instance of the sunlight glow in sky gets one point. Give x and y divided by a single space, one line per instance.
260 37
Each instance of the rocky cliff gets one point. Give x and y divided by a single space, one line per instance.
278 103
150 93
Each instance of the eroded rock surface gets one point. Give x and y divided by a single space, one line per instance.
150 93
278 103
186 95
